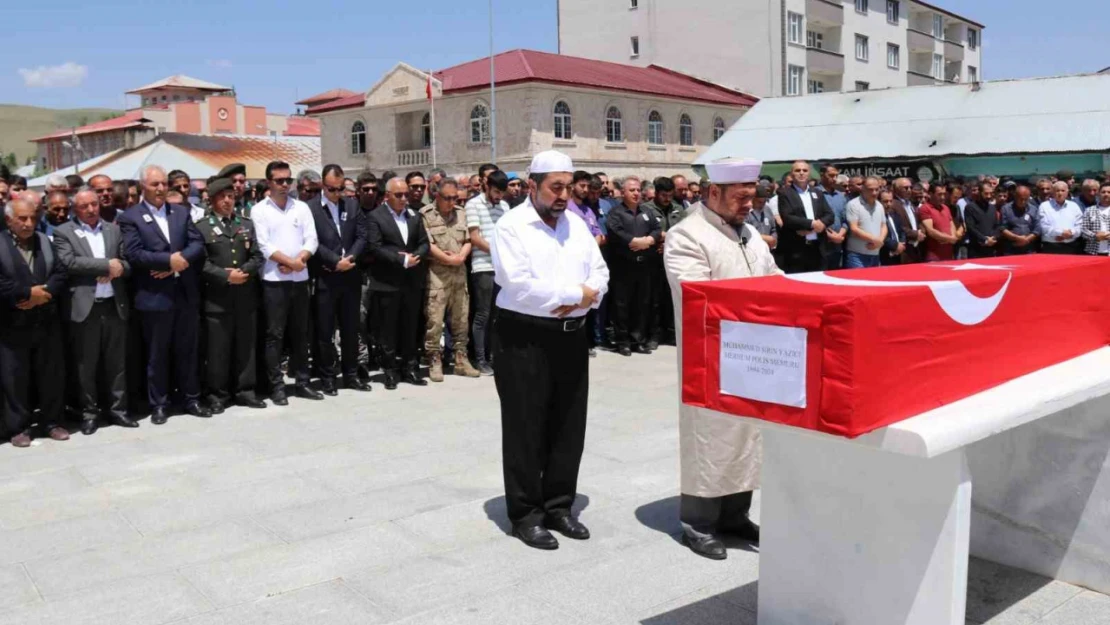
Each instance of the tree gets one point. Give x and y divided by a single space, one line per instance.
11 162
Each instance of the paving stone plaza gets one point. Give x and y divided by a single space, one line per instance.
387 508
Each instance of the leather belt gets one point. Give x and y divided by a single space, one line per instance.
547 323
103 300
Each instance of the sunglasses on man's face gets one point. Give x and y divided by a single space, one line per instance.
282 182
333 189
369 190
400 195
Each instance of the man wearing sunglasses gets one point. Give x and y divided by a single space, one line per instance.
286 233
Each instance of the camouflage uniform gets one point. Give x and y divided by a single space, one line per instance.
447 291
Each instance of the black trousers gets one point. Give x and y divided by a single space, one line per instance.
803 259
31 357
483 293
662 324
171 336
630 291
232 338
136 364
287 308
337 299
99 345
1062 248
396 319
543 381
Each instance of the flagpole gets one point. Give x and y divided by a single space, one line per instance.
492 93
432 98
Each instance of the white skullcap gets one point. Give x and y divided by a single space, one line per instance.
551 161
733 170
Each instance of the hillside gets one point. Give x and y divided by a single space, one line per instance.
18 124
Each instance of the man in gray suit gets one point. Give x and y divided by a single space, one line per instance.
90 249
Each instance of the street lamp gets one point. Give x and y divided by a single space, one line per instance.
75 148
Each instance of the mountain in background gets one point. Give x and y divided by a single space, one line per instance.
19 124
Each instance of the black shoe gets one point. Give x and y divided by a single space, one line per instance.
747 531
123 421
484 368
410 377
249 401
304 392
88 426
593 352
707 547
355 384
194 408
640 349
279 399
623 350
216 406
390 381
158 415
567 526
364 372
536 537
653 345
328 386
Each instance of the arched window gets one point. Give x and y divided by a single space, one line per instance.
718 129
426 128
685 130
562 121
358 138
479 124
614 127
655 128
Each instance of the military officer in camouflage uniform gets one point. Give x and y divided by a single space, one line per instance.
450 245
230 301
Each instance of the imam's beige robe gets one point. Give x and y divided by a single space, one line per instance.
721 454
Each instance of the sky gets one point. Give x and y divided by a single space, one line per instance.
64 54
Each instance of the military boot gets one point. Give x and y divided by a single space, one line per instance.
435 374
462 366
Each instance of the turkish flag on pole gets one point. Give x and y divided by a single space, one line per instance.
428 90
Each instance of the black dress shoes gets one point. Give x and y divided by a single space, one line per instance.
88 426
356 384
642 349
328 386
123 421
197 410
249 401
624 350
158 415
409 376
653 345
567 526
390 381
746 531
536 537
279 399
706 547
216 406
304 392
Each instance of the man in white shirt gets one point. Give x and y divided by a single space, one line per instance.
551 273
286 233
1060 222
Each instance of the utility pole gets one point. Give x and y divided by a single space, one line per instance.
492 93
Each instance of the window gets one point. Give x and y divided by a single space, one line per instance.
816 86
562 121
794 80
614 127
861 6
893 11
972 39
938 26
972 74
655 128
633 4
479 124
635 46
718 128
815 39
685 130
938 67
177 97
893 56
862 52
863 86
358 138
794 27
426 130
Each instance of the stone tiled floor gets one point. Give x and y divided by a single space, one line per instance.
385 508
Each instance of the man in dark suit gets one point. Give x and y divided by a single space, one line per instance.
982 223
805 215
894 247
230 301
31 282
91 250
341 239
166 253
397 241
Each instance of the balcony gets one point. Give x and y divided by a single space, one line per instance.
824 62
414 158
920 41
953 51
825 12
916 79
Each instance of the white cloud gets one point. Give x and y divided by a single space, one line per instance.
221 63
68 74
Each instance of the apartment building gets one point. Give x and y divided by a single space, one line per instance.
774 48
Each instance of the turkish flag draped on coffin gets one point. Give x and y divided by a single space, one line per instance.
847 352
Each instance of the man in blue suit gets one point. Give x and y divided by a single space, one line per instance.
166 253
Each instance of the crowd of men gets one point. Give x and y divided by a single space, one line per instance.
159 292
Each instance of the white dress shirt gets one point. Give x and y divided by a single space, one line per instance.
196 212
539 268
333 210
287 229
161 219
1056 218
402 221
807 203
1104 246
95 238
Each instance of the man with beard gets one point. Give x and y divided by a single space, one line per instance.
515 195
57 212
551 273
721 455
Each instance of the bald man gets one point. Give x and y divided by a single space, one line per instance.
805 216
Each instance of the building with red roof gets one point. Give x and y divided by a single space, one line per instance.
607 116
